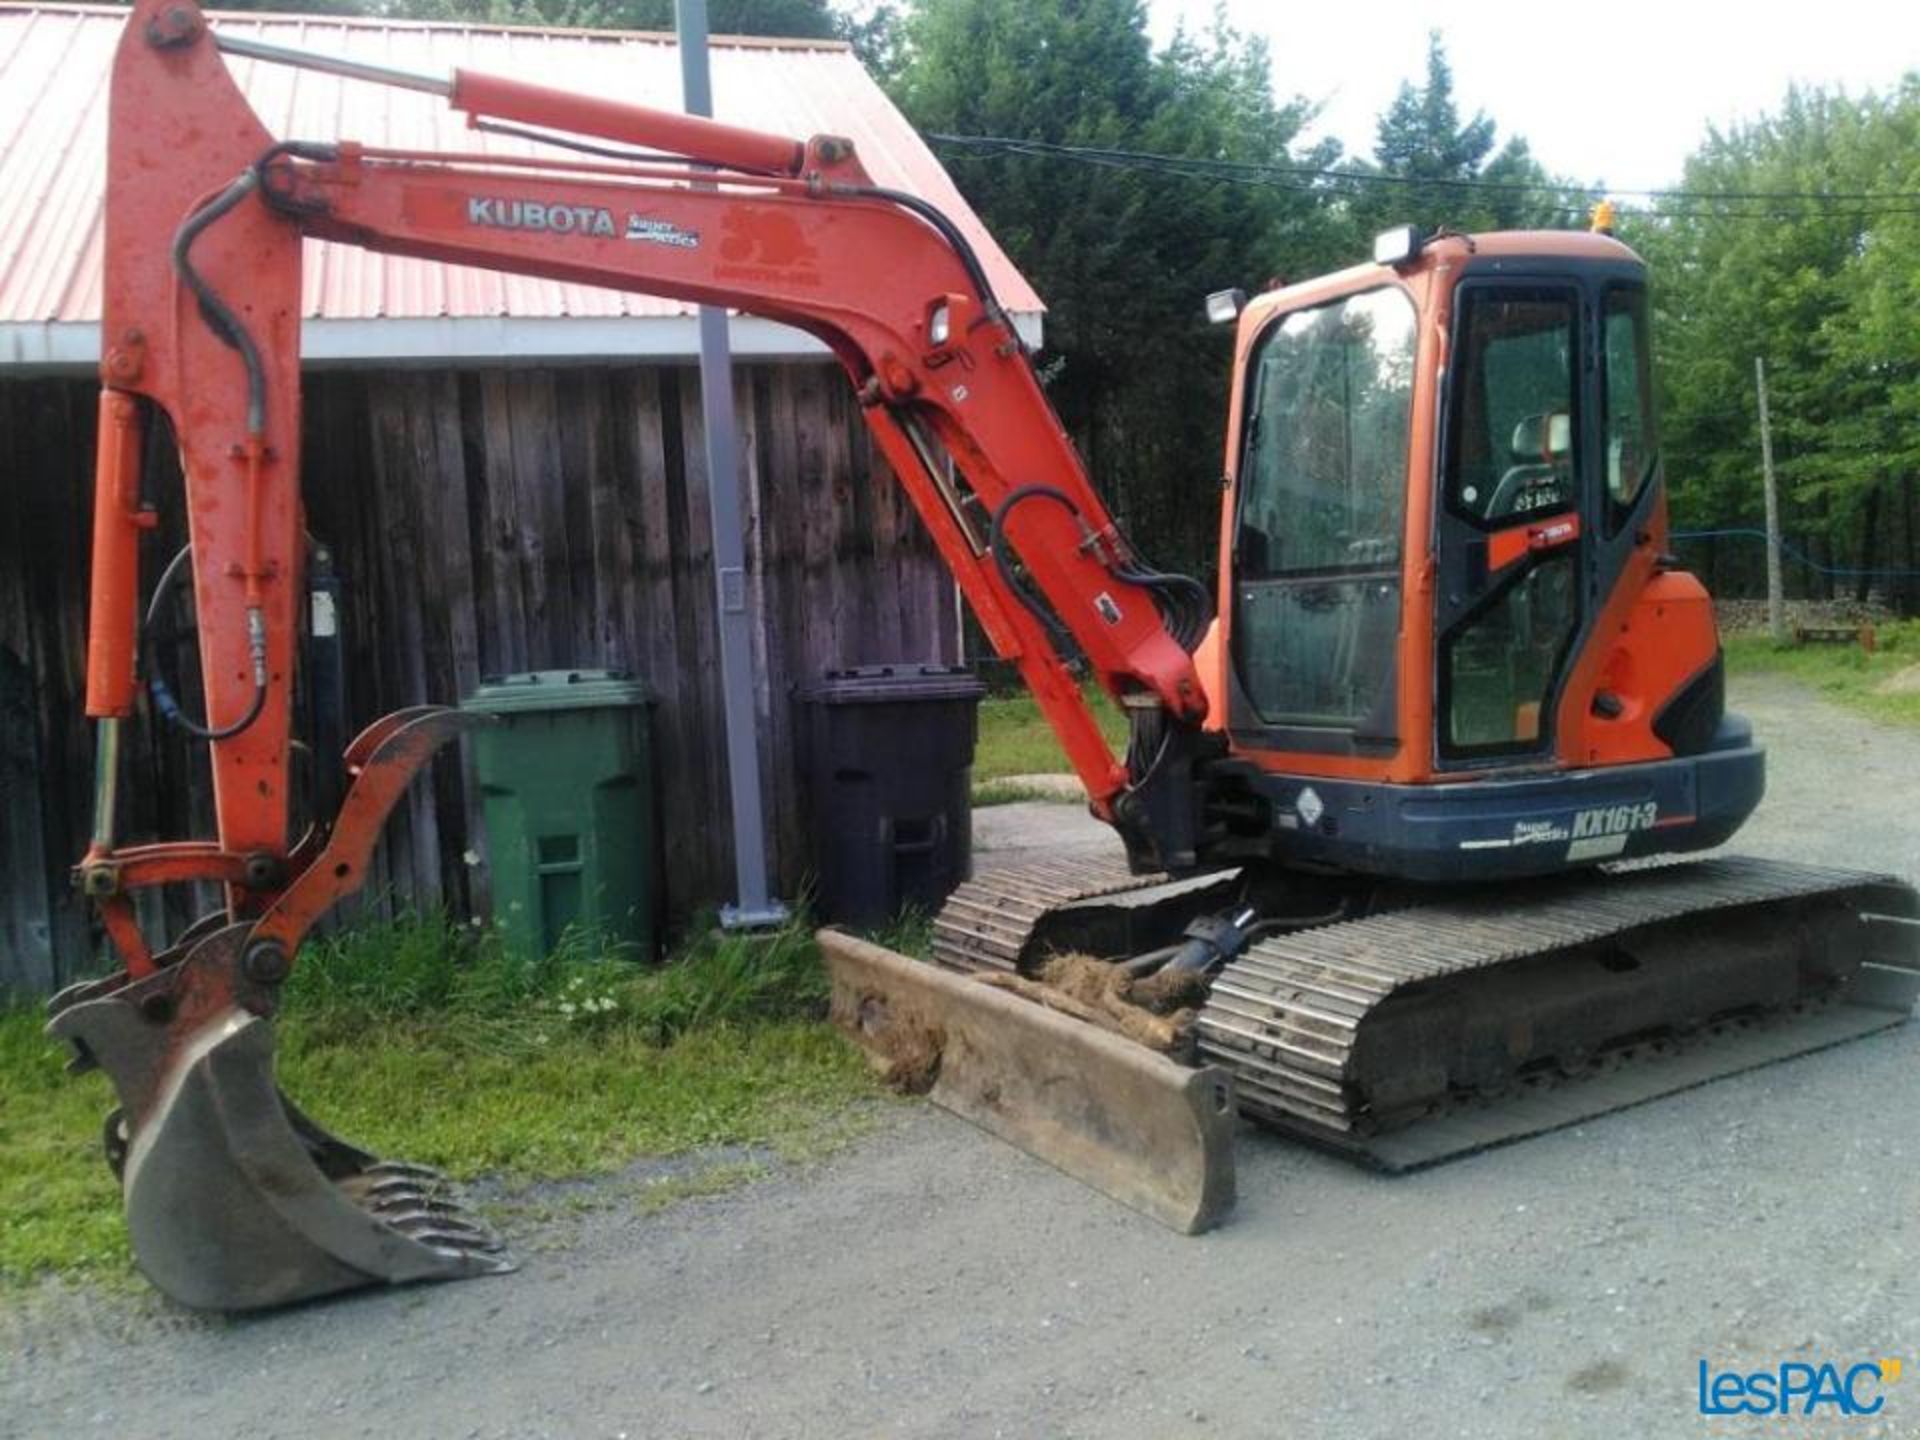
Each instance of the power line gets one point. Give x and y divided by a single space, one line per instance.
1323 180
1746 532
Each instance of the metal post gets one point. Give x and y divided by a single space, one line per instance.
754 905
1776 590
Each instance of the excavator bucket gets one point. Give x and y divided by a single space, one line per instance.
235 1200
1122 1118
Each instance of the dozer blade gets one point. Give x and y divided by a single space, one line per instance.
235 1200
1134 1125
1408 1037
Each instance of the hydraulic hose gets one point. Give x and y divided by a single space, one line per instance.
228 329
1182 601
215 311
163 697
1003 554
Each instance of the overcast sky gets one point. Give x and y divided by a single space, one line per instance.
1620 93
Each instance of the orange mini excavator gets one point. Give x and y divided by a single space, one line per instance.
1380 817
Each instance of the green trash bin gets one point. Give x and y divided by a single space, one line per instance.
566 787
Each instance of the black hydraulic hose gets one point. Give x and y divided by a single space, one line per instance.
1003 555
227 328
276 194
962 247
1183 602
163 696
218 314
1183 599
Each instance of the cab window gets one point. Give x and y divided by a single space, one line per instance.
1322 508
1512 448
1631 447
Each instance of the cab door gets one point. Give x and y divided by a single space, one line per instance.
1509 522
1319 526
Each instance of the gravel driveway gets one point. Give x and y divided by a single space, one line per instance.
931 1282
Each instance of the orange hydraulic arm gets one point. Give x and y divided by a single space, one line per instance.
205 216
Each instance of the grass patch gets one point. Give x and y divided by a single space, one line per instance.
1013 792
61 1204
910 932
428 1041
1843 673
1016 740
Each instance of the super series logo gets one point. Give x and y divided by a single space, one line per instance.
546 219
1593 833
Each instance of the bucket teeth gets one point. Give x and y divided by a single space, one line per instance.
446 1224
466 1241
385 1205
403 1187
454 1223
404 1169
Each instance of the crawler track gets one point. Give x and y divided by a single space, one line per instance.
1500 1015
992 922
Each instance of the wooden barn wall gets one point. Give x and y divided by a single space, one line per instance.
484 521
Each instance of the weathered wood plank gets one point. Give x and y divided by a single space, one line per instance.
496 520
508 575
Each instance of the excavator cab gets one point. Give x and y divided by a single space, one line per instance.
1455 647
1456 685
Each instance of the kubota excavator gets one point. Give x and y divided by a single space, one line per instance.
1375 815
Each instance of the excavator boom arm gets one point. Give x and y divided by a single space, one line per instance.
206 214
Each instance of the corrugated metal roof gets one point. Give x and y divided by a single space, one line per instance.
54 62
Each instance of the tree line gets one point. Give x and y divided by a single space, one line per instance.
1206 179
1810 262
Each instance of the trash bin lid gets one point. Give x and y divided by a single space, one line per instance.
893 684
536 690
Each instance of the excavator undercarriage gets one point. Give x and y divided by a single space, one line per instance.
1395 1027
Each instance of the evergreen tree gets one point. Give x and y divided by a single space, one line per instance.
1122 255
1452 167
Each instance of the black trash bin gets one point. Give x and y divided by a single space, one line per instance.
888 751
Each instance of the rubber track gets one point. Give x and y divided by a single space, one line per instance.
987 923
1284 1017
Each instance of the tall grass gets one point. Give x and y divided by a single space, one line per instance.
431 967
433 1040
